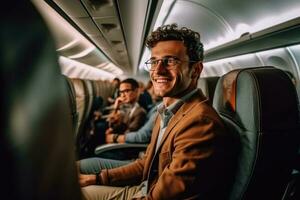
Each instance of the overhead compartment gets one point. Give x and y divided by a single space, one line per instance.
87 24
99 22
72 8
281 35
101 8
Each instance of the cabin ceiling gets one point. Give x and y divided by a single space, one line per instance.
118 28
221 21
114 30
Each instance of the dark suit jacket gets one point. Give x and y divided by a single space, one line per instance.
136 120
194 161
133 122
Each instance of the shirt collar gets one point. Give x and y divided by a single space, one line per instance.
174 107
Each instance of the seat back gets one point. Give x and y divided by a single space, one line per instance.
261 106
208 85
36 141
72 103
81 96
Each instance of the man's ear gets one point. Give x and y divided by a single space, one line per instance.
197 69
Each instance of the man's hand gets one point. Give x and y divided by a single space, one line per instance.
97 115
87 179
110 100
109 135
109 131
115 117
109 138
119 101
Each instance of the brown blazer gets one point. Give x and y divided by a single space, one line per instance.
194 161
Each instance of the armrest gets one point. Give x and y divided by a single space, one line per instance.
126 151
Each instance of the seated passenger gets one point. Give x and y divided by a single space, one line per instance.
96 164
190 155
128 115
141 136
116 83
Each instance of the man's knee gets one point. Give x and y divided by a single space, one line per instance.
95 192
101 192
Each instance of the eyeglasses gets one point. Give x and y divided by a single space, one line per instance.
125 91
167 62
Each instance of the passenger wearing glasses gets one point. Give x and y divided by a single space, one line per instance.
191 155
127 115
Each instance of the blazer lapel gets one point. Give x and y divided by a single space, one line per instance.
183 110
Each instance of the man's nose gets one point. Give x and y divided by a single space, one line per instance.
161 66
123 94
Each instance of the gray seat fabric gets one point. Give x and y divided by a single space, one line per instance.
261 106
36 141
208 85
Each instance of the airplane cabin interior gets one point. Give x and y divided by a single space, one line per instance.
59 55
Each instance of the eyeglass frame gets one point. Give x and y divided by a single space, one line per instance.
165 63
126 91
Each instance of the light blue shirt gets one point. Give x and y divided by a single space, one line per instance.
143 135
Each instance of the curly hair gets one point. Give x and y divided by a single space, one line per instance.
190 38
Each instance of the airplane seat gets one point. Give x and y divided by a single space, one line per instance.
104 89
83 91
88 94
81 102
36 141
72 103
261 106
91 132
208 85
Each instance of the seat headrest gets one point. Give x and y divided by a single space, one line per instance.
258 96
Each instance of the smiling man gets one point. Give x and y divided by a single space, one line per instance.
191 155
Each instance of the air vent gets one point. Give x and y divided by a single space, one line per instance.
108 27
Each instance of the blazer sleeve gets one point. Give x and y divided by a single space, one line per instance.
131 174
